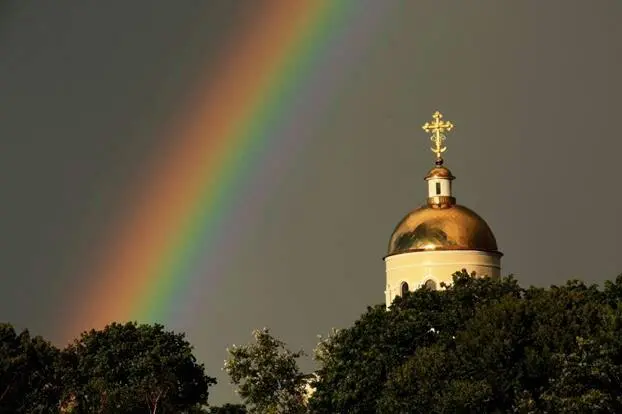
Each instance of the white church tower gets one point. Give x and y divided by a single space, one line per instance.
434 241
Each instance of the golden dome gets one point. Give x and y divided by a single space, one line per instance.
453 227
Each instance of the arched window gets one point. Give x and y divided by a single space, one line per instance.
430 284
404 288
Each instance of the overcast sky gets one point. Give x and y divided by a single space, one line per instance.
533 87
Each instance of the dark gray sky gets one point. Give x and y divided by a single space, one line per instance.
534 89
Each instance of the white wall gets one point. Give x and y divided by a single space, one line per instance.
445 187
416 268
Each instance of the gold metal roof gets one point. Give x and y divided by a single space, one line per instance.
453 227
439 172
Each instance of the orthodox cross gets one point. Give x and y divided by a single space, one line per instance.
438 128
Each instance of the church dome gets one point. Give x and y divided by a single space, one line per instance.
434 241
453 227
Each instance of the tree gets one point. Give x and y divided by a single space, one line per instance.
590 377
28 376
228 409
128 368
267 376
585 382
481 345
359 360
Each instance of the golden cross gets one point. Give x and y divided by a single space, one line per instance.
438 127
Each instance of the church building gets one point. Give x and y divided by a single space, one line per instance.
441 237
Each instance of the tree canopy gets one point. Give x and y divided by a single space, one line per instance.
267 375
28 377
124 368
480 345
228 409
130 368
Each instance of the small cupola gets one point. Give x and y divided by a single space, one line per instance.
439 181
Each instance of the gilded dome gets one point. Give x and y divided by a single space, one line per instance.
453 227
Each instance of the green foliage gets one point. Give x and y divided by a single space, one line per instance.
267 376
228 409
121 369
480 346
363 358
133 368
590 376
27 372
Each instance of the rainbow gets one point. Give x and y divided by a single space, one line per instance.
279 74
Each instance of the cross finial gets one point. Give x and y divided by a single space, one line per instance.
438 128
